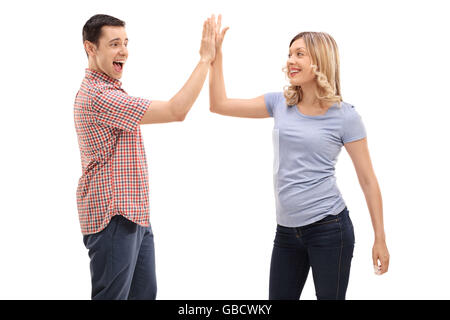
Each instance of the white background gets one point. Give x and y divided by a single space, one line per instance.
211 191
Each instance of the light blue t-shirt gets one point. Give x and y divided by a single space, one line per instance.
305 153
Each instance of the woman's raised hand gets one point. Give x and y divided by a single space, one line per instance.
220 34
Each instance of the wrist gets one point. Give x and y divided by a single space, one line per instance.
217 58
379 238
204 60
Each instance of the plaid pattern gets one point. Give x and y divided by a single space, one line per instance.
114 176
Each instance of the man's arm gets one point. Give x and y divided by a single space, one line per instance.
177 108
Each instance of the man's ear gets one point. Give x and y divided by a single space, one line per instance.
90 48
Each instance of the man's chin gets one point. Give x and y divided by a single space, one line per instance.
115 75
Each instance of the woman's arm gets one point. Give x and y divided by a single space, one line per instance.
219 103
359 153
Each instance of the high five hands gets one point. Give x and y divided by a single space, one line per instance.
212 38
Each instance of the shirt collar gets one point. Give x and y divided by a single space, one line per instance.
92 74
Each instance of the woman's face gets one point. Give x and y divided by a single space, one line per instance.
299 64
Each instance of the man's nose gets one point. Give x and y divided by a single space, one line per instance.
123 51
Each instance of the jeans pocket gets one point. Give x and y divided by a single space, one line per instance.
285 237
348 234
352 230
324 235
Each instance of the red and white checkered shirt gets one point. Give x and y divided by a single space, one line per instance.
114 176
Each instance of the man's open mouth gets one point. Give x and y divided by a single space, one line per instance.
118 65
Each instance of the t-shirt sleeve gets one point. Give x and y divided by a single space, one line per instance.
353 127
271 100
115 108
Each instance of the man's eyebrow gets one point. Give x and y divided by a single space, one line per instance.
115 39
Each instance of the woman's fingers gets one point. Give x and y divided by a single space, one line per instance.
219 34
377 269
224 31
219 24
381 267
380 257
384 263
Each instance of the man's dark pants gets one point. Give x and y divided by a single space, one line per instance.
122 261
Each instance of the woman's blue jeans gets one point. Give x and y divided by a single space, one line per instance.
326 246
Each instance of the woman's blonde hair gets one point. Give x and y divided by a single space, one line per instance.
324 55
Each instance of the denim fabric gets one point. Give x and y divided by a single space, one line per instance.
326 246
122 261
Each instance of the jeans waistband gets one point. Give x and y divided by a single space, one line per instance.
330 217
335 216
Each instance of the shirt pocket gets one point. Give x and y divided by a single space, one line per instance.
276 150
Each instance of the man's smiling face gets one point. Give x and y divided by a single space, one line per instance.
111 53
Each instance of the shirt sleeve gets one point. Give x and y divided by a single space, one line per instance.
271 100
117 109
353 126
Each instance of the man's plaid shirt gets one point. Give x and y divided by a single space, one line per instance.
114 176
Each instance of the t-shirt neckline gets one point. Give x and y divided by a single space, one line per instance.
314 117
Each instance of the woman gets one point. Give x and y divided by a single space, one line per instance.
312 123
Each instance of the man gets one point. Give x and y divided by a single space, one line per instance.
112 193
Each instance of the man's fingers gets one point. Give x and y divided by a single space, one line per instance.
204 29
209 28
213 28
213 23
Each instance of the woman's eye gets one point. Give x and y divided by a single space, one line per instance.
299 54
